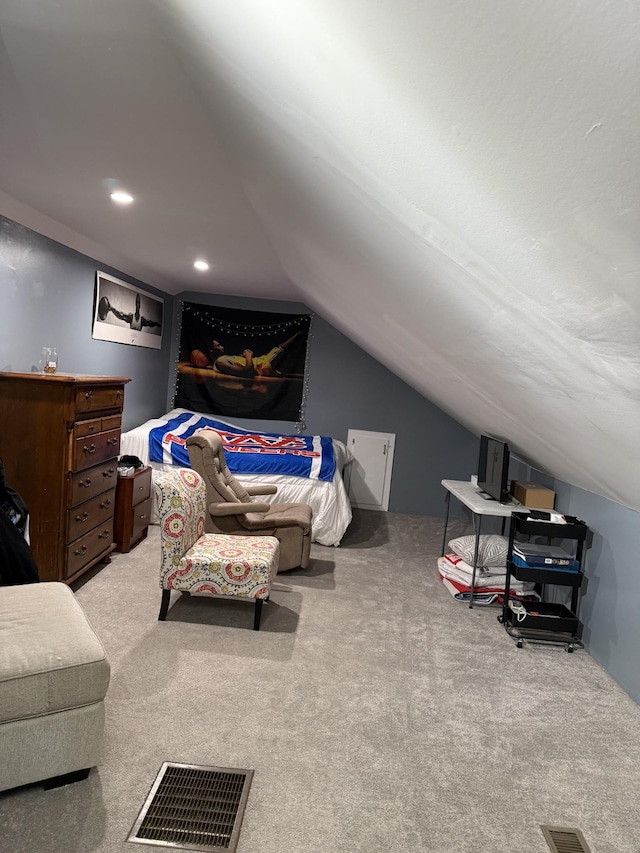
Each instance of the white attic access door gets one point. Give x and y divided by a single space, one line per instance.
369 475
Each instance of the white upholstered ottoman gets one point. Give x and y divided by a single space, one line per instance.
54 675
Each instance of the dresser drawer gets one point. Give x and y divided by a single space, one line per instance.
90 449
111 422
90 514
87 484
87 548
95 425
90 399
90 427
141 520
140 487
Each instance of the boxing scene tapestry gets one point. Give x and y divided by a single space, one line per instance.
247 364
126 315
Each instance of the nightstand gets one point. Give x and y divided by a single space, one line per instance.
133 509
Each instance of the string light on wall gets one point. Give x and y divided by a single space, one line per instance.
177 351
246 329
301 425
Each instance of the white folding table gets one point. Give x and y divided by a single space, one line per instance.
470 495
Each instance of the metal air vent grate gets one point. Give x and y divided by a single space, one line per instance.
194 808
563 840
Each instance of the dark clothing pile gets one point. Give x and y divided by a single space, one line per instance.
17 564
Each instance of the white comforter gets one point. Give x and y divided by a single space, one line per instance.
329 501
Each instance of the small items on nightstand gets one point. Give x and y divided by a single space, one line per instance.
128 464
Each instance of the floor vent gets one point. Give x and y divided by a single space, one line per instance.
563 840
194 808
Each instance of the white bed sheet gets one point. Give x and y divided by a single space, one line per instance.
328 500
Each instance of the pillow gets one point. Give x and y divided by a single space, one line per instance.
492 549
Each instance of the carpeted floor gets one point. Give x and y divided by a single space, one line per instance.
378 713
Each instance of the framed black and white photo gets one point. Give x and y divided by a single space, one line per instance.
125 314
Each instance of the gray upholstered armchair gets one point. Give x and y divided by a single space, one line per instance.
232 508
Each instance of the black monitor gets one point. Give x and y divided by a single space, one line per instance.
493 468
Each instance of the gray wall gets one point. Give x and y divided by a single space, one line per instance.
347 389
46 299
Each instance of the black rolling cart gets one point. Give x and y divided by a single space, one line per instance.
545 621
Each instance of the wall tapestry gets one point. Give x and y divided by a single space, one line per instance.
126 315
247 364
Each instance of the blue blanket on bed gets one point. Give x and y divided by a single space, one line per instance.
247 452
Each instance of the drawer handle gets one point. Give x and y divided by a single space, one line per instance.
118 395
141 488
88 395
85 483
108 473
105 504
104 534
113 441
91 449
83 517
80 552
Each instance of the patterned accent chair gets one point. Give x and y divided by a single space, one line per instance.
232 509
202 563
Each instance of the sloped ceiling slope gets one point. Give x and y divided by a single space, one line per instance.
452 185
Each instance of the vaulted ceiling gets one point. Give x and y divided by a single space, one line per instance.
453 185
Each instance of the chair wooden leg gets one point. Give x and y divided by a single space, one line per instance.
258 614
164 605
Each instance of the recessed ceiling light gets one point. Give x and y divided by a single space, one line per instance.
121 197
203 266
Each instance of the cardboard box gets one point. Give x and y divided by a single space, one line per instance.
533 495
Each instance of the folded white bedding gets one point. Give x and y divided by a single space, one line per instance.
462 573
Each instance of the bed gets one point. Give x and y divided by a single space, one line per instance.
159 443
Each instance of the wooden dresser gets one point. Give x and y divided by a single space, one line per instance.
60 441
